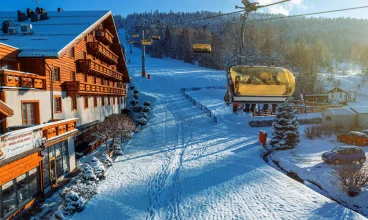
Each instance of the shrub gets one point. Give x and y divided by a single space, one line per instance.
88 173
136 96
106 160
352 178
118 151
98 168
73 203
313 131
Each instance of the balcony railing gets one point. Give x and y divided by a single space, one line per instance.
104 36
13 78
57 128
102 52
89 66
76 88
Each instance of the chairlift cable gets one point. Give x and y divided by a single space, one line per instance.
268 19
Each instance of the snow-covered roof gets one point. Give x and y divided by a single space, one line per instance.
360 109
340 111
51 36
336 89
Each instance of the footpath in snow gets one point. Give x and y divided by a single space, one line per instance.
184 166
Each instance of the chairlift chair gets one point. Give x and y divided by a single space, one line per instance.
202 48
146 42
156 37
259 84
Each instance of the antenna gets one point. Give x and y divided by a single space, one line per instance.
248 8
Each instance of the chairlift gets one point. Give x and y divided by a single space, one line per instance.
135 35
259 84
146 42
156 37
202 48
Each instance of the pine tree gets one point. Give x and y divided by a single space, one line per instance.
285 126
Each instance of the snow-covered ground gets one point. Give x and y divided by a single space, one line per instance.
306 161
184 166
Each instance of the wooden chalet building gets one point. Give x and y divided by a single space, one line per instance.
56 75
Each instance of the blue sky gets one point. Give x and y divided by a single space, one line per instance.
125 7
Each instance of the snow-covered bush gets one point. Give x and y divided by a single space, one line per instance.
146 109
98 167
136 96
136 91
106 160
147 103
285 127
144 115
118 151
142 121
73 203
313 131
132 87
133 102
85 190
59 215
88 173
352 178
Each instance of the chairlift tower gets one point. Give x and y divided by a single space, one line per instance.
143 57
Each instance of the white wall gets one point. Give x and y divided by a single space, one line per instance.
14 98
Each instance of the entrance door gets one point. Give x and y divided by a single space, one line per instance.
53 174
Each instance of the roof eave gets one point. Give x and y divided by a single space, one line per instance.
89 29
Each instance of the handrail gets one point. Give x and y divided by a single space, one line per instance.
102 51
85 65
13 78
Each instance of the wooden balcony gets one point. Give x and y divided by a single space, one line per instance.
102 52
57 128
13 78
91 67
76 88
104 36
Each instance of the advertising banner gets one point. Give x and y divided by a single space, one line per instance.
17 142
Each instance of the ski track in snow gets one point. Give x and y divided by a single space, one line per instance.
183 166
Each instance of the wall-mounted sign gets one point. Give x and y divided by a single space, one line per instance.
18 142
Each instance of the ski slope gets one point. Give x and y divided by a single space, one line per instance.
183 166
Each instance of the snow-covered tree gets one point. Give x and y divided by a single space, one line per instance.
106 160
88 173
98 167
73 203
285 126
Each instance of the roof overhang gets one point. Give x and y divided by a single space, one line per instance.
6 110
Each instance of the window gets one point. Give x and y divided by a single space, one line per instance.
113 100
56 74
95 80
22 189
328 118
84 55
108 101
33 182
71 52
85 77
72 76
28 114
46 168
94 101
74 103
9 197
65 156
58 107
85 102
340 94
102 101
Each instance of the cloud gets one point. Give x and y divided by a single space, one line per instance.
283 8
